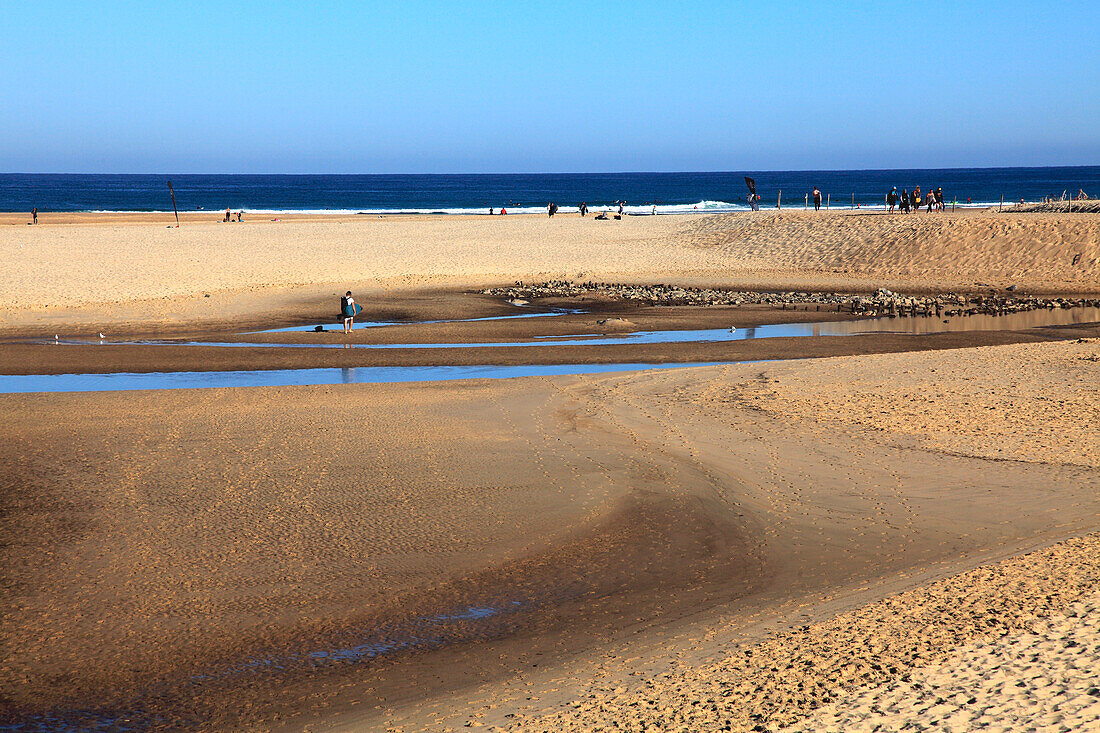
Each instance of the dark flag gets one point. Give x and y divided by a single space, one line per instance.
172 191
751 184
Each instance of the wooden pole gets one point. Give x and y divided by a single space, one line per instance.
853 201
174 209
1001 205
779 203
828 199
806 202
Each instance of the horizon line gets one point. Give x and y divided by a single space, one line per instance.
561 173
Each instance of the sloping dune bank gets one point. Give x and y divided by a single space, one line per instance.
107 263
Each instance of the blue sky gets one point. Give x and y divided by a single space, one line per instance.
393 87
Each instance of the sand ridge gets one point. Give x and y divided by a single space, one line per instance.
861 661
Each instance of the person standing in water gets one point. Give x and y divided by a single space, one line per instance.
817 199
347 309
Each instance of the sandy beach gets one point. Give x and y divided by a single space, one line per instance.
816 532
111 268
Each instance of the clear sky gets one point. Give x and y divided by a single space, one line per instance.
404 87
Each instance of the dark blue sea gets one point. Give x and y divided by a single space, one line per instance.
464 194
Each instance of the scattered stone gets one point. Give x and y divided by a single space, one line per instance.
883 302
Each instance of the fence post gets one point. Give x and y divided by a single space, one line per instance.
828 199
779 202
1001 205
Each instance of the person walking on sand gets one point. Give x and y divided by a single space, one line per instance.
917 199
34 215
347 309
583 208
817 199
904 201
892 199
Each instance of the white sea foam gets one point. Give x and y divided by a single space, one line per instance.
701 207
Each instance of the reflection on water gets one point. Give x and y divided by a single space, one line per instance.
123 381
459 625
375 324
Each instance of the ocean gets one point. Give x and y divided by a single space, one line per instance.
526 193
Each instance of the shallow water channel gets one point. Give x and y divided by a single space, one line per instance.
120 381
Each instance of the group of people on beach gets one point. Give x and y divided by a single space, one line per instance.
911 201
229 216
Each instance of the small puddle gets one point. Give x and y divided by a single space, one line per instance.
456 626
125 381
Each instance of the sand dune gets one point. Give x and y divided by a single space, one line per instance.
62 266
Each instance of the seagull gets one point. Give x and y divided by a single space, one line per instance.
55 337
733 329
101 336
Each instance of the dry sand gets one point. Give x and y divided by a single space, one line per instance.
1041 678
117 268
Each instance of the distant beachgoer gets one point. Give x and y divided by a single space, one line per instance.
490 211
930 200
904 201
892 199
916 199
817 199
34 215
550 209
621 207
347 309
583 208
503 212
654 211
754 201
240 216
